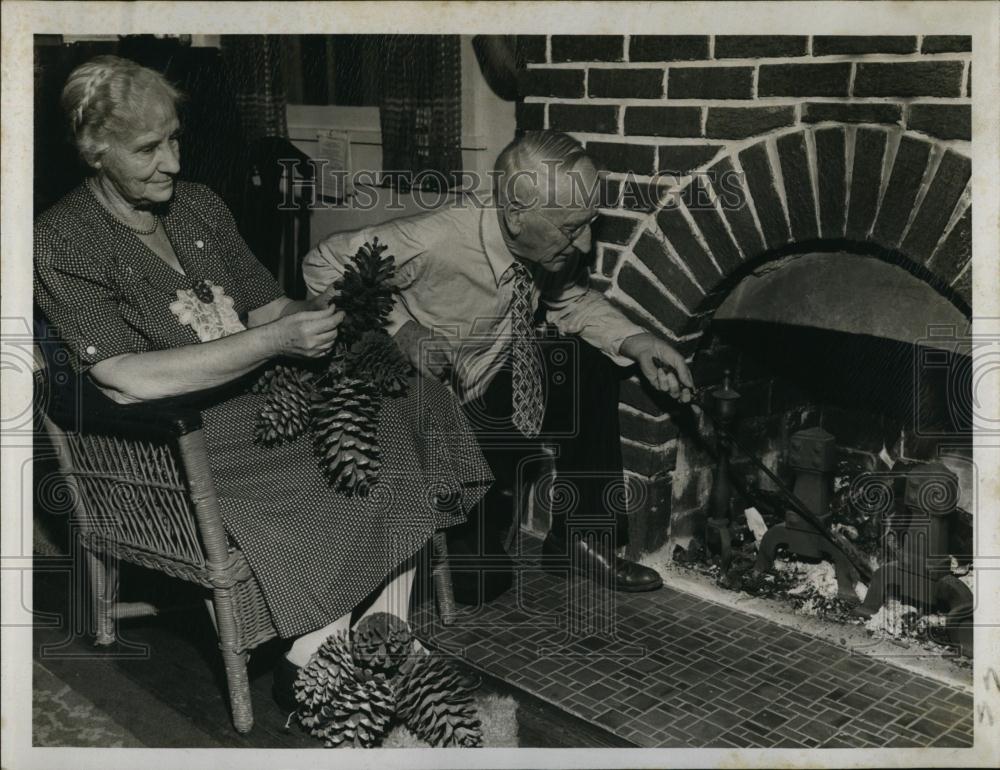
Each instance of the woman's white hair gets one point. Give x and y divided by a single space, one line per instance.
108 97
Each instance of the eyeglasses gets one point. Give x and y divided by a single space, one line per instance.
573 235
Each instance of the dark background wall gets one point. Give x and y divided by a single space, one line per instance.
213 148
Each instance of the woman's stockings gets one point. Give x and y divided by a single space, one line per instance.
392 597
303 647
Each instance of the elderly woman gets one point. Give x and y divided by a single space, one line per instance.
156 295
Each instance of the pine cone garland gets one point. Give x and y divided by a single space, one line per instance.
364 293
286 411
435 706
345 421
376 358
364 365
335 367
381 643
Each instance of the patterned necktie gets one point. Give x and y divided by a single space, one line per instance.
526 377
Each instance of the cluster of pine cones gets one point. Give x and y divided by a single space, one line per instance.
341 399
352 690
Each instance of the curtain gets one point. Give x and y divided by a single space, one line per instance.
421 111
254 67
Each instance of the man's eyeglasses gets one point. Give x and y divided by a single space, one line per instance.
571 234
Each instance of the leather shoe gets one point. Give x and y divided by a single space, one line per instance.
599 564
283 684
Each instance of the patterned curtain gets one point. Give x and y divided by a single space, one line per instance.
421 111
253 63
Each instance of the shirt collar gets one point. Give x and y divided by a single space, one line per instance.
497 254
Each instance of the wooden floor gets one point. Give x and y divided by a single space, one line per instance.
164 686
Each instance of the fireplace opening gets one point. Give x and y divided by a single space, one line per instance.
846 357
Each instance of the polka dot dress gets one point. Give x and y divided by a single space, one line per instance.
315 552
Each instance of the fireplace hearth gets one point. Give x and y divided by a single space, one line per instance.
842 380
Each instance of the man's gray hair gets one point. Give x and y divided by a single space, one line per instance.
531 152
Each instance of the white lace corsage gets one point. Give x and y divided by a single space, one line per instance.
208 310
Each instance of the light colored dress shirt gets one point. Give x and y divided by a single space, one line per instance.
453 276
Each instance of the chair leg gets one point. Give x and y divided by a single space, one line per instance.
441 576
103 570
234 662
239 689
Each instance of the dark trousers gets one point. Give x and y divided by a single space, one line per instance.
581 423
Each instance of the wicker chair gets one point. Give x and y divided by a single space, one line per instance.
143 493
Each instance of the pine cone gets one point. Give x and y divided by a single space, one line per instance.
345 420
435 706
318 680
364 293
286 411
381 643
377 359
263 383
340 703
359 713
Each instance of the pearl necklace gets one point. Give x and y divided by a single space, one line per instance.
156 226
136 230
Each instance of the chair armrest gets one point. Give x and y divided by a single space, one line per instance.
95 413
168 416
77 405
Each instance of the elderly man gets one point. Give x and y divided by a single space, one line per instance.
470 279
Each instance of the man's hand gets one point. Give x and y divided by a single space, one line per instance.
431 356
663 366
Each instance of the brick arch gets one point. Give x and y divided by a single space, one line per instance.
871 189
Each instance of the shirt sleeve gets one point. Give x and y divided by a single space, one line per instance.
407 242
575 308
79 299
254 284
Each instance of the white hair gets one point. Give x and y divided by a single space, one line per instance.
109 96
532 152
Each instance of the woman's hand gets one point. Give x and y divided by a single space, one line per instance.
308 333
283 306
320 301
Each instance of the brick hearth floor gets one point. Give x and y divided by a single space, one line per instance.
682 671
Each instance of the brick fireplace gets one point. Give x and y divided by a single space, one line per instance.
728 153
